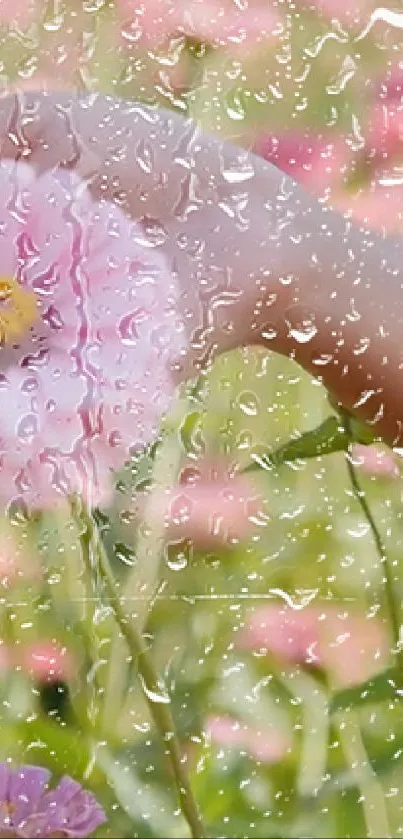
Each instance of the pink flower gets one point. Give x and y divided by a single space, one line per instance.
20 12
29 809
266 746
318 162
378 205
87 316
375 462
349 12
15 563
45 661
224 23
385 129
210 510
349 646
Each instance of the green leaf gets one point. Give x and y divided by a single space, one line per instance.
191 434
386 686
328 438
384 758
60 749
358 432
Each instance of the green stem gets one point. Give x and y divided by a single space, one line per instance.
392 599
154 690
372 794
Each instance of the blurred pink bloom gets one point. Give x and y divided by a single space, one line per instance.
318 162
265 746
375 462
350 647
224 23
378 205
45 661
88 322
208 511
348 12
385 129
20 12
42 81
15 564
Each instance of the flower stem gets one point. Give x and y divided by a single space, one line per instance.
372 794
153 688
392 599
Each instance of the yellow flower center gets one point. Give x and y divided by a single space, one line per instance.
18 309
7 808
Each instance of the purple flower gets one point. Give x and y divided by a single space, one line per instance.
29 809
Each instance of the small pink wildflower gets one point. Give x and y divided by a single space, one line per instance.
349 646
45 661
263 745
375 462
209 509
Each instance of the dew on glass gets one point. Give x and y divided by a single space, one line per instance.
201 621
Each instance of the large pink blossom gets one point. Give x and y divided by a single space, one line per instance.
84 374
224 23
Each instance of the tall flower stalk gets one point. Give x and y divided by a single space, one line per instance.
95 557
392 599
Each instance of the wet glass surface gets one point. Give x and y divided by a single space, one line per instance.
200 420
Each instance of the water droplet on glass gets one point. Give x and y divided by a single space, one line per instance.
304 332
160 698
248 403
124 553
238 172
177 555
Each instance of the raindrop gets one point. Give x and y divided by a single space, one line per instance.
29 385
304 332
347 71
177 555
93 5
235 107
248 403
144 157
27 427
269 332
160 698
102 613
127 326
238 172
358 531
124 553
17 512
